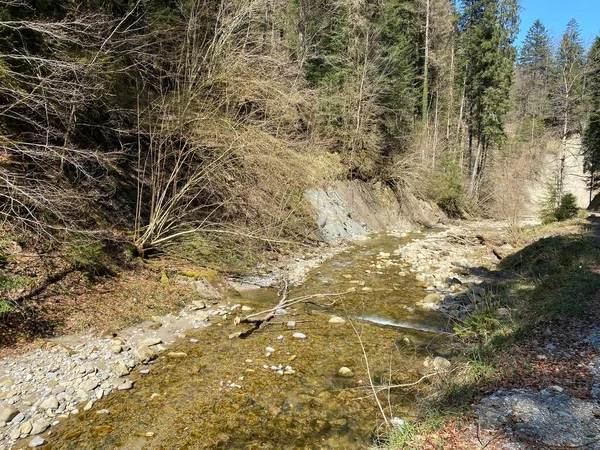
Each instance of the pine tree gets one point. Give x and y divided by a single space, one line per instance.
591 139
534 69
489 28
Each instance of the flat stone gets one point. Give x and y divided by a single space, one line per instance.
89 385
345 372
128 384
197 305
36 442
89 405
7 412
39 426
150 342
49 403
177 355
337 320
26 427
299 336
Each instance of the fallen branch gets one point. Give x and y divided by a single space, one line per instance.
263 317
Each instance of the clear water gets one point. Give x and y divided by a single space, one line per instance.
191 403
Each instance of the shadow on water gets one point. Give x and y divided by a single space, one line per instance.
228 394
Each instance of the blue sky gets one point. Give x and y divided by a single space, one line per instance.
555 14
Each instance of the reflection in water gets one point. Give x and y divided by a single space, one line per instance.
230 394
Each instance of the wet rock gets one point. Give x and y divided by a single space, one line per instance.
177 355
270 350
337 320
36 442
299 336
280 312
345 372
7 412
291 324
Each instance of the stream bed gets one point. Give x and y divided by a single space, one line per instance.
216 391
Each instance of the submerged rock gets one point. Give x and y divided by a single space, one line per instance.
299 335
36 442
345 372
337 320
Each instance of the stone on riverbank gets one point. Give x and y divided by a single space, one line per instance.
36 442
7 412
337 320
299 336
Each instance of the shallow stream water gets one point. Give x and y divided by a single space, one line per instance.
226 395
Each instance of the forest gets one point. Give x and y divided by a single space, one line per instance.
151 121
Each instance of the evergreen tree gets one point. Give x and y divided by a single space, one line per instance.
591 139
489 28
534 71
569 82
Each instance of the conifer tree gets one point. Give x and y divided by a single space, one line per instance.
489 28
591 139
534 70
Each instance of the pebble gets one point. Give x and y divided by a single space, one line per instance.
299 336
145 371
270 350
337 320
128 384
345 372
194 341
36 442
291 324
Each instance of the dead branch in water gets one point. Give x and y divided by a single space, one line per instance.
260 319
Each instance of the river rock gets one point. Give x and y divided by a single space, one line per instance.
149 342
120 369
345 372
197 305
7 412
299 335
291 324
125 386
89 385
440 363
49 403
39 426
337 320
177 355
26 427
36 442
145 354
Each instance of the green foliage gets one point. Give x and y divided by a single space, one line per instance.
448 188
591 137
488 28
9 283
569 83
534 72
87 256
555 209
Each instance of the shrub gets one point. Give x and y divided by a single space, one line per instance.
449 191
